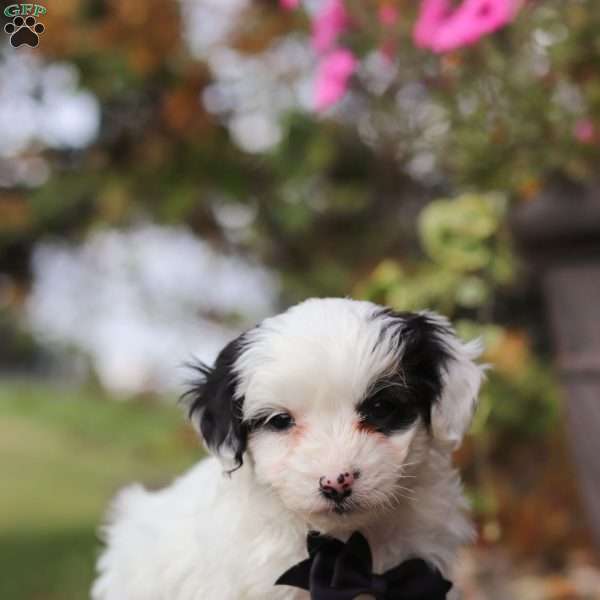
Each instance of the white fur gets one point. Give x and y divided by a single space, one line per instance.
210 536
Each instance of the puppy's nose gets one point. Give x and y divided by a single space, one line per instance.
338 488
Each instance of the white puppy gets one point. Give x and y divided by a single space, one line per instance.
334 416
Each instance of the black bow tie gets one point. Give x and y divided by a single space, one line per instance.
338 571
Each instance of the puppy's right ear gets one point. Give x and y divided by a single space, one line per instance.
215 408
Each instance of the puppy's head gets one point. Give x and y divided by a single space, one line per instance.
336 402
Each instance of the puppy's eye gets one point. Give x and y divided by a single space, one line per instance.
377 408
380 408
280 422
387 411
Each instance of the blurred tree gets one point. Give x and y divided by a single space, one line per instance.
414 126
328 197
159 155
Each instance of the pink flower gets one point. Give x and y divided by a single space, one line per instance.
585 131
442 28
331 21
332 78
388 15
289 4
432 16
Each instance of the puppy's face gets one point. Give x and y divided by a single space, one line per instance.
336 402
332 450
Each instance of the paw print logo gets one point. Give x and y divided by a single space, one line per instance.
24 31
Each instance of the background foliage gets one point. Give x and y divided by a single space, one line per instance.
401 194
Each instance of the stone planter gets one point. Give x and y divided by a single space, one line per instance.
559 234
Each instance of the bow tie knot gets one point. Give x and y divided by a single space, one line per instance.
338 571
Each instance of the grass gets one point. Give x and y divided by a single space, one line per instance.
63 454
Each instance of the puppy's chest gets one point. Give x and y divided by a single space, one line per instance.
266 560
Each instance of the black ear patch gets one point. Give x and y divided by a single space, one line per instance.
212 399
424 351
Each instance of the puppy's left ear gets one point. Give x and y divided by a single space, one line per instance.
215 408
461 378
441 370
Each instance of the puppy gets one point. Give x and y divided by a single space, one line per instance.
335 416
